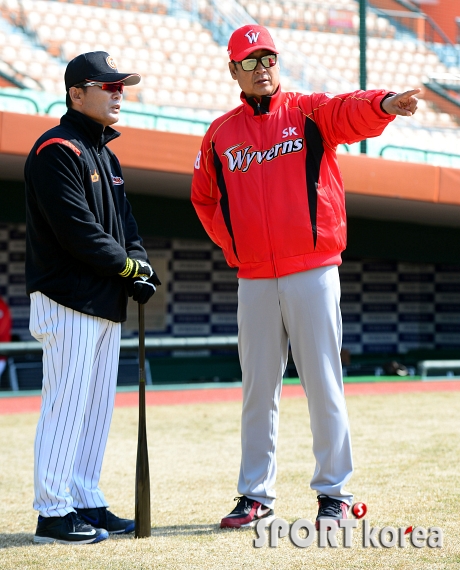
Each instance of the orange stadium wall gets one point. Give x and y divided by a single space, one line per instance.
137 148
175 153
404 180
444 13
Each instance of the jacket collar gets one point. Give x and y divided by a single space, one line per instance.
92 130
266 104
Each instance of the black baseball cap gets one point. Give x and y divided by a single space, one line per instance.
96 66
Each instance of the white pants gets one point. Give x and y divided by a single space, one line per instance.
80 367
303 308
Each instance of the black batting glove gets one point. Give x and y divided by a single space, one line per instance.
144 289
154 278
137 268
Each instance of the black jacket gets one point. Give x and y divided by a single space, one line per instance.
80 228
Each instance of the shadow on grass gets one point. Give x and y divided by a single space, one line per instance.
185 530
26 539
16 539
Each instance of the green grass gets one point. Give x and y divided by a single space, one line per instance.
406 450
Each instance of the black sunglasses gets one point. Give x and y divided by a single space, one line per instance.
251 63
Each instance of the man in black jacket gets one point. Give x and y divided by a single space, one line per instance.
83 258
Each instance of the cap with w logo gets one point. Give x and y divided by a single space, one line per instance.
248 39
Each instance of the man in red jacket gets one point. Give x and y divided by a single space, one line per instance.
268 190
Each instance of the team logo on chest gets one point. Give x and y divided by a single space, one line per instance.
117 180
94 176
242 158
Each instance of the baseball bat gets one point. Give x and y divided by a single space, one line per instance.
142 506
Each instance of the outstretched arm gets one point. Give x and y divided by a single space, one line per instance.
404 104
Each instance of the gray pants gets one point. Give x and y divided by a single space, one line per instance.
302 308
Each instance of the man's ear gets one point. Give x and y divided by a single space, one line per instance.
232 68
75 94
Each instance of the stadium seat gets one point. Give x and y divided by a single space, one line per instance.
146 37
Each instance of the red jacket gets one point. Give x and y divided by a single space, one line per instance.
5 322
267 185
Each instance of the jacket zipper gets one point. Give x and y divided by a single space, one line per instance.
265 198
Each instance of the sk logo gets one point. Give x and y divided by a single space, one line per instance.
289 131
252 36
94 176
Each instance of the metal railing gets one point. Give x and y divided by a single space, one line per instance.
442 89
178 347
23 98
151 344
424 152
422 27
156 117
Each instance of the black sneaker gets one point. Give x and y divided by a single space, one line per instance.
67 530
101 517
331 509
246 513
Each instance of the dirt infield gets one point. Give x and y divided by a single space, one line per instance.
31 403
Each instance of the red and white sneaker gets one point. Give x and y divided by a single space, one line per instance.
331 509
246 514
